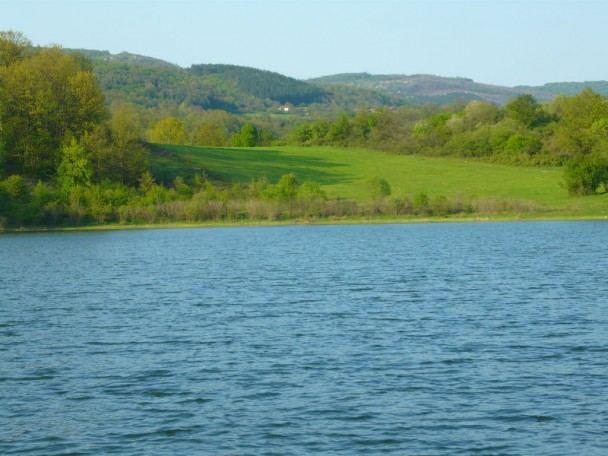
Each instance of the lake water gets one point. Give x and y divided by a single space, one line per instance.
436 339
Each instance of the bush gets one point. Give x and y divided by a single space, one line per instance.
378 187
583 174
420 204
15 186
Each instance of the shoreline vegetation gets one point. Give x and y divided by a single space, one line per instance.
553 216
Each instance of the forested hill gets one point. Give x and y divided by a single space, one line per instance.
553 89
424 88
151 82
264 84
123 57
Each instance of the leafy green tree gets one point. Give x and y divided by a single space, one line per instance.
46 98
584 173
339 131
480 113
15 186
14 47
286 188
311 191
247 137
74 169
421 204
146 181
210 134
128 154
169 131
526 110
523 144
378 187
580 118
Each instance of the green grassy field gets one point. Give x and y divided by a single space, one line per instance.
343 171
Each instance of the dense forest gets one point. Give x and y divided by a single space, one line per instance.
75 136
264 84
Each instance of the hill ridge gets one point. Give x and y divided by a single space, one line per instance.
240 88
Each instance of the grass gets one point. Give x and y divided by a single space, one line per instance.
343 171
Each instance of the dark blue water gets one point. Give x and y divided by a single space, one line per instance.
459 339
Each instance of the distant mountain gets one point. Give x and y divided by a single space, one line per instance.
554 89
123 57
423 88
149 82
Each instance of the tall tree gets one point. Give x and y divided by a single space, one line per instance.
580 121
45 99
526 110
169 131
128 153
14 46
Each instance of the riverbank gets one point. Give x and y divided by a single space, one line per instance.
353 220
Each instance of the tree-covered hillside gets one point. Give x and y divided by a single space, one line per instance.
264 84
426 89
151 82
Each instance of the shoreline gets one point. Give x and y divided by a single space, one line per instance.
382 220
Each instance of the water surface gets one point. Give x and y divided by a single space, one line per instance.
486 339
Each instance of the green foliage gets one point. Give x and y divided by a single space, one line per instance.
14 47
378 187
287 187
169 131
182 189
210 134
523 144
146 181
583 174
128 155
575 132
74 169
248 136
421 204
339 131
526 110
45 98
15 186
263 84
311 191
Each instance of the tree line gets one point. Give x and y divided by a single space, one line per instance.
571 131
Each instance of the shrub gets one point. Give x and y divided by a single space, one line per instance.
583 174
420 204
15 186
378 187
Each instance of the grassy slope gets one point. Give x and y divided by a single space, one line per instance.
343 172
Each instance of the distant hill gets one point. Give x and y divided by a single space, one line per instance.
554 89
150 82
264 84
123 57
423 88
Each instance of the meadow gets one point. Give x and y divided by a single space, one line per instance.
343 173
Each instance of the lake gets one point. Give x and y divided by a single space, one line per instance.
430 339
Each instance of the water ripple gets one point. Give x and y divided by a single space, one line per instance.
465 339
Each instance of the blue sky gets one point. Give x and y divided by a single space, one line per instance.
502 42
